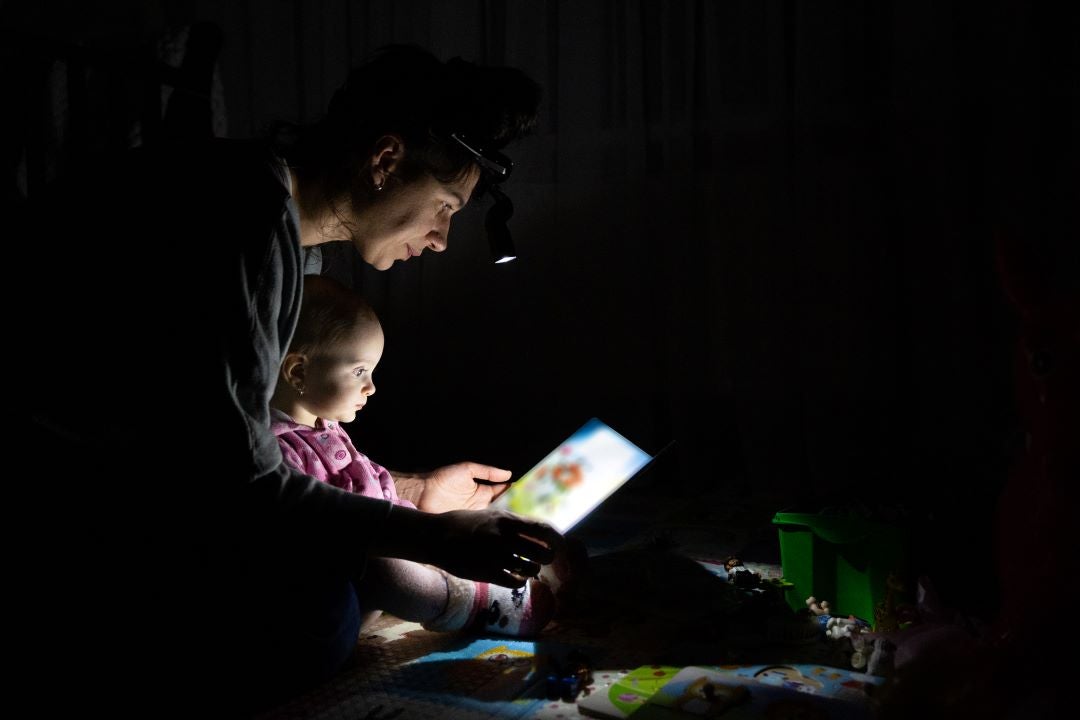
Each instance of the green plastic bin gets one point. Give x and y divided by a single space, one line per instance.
842 559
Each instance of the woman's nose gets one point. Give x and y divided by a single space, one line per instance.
437 237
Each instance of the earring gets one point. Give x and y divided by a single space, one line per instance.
379 185
300 390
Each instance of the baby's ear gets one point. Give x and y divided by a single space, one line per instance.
293 368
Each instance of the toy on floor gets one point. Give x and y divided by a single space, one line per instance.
741 576
838 627
817 608
569 678
822 612
886 615
872 653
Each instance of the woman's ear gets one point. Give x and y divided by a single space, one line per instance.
294 370
387 155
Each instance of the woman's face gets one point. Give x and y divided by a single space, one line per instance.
408 218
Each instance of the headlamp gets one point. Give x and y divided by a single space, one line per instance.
495 168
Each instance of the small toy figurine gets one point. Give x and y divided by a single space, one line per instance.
817 608
740 575
567 680
838 627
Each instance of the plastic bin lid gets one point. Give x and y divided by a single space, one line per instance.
838 529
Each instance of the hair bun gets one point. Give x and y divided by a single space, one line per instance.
493 105
407 91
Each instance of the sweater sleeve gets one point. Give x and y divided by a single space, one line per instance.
295 510
204 272
386 480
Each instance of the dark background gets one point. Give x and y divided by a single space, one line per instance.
764 229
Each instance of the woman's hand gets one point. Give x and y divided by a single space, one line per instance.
490 545
453 487
494 546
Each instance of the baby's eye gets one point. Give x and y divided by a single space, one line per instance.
359 371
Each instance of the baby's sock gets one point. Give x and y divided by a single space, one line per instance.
570 563
492 608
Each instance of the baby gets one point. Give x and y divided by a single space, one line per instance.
325 379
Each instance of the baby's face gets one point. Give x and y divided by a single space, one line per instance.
339 381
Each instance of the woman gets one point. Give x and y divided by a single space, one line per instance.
211 570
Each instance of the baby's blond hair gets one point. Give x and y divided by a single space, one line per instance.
329 313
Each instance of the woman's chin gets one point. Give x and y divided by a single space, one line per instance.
372 257
382 263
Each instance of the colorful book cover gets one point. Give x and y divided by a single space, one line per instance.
755 691
575 477
485 675
627 694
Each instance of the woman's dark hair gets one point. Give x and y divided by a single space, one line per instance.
407 91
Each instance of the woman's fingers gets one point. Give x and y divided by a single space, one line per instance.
509 579
495 546
534 533
523 567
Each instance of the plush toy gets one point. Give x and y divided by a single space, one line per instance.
862 647
838 627
872 653
817 608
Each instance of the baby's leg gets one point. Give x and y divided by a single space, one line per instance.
519 613
442 602
491 608
405 589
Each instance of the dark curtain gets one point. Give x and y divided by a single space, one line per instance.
763 229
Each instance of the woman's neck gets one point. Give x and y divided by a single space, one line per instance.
318 223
